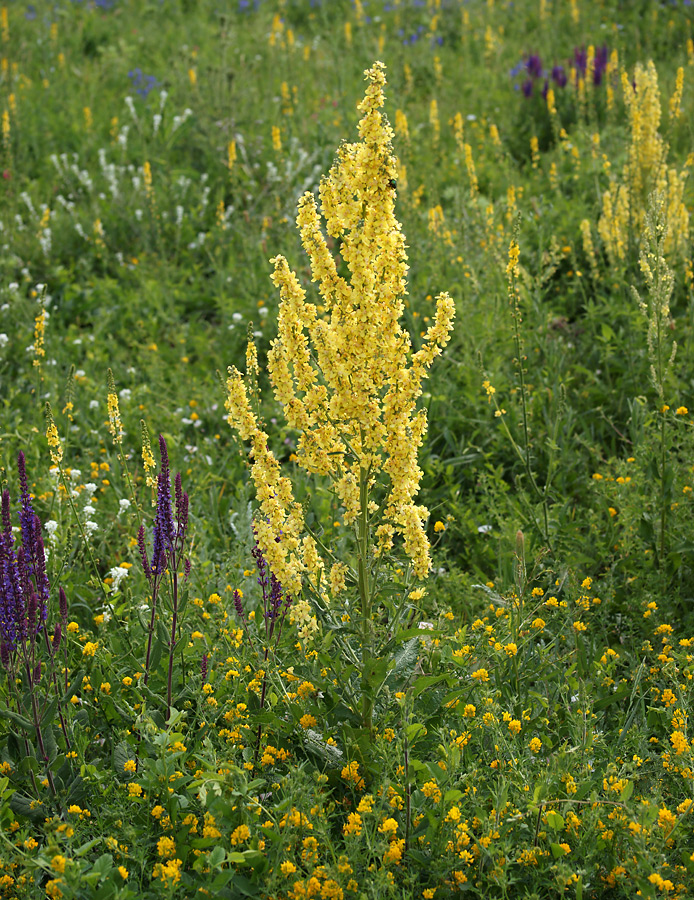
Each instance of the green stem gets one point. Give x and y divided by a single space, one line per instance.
365 598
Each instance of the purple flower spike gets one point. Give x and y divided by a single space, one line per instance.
143 553
26 513
163 542
4 654
62 604
238 606
186 569
57 635
527 88
559 76
203 667
534 66
37 673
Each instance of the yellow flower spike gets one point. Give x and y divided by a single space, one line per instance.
115 425
344 371
54 445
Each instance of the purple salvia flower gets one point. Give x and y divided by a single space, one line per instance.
26 512
163 543
527 88
534 66
5 654
580 60
57 635
178 494
203 667
37 673
62 604
601 58
559 76
143 553
24 590
186 569
238 606
11 603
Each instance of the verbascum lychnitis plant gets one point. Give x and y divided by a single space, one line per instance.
624 204
348 379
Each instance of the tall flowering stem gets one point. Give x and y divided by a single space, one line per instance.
276 605
26 651
168 545
55 448
349 379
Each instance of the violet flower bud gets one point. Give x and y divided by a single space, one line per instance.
36 677
62 603
186 569
143 553
57 635
238 606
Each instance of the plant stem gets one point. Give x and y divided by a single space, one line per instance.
365 598
172 644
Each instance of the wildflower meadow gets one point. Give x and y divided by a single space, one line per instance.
346 452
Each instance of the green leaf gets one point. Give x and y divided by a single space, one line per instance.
73 688
216 857
557 851
425 682
414 731
10 714
555 821
626 791
122 753
22 806
619 694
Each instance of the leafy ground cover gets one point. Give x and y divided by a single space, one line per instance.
420 622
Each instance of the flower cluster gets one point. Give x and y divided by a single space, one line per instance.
587 65
344 370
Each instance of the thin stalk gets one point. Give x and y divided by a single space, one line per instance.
365 598
39 735
172 644
54 679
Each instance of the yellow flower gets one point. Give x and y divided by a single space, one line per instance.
287 868
58 863
54 445
388 827
166 847
535 745
355 409
123 872
90 648
514 726
307 721
681 411
353 825
114 422
130 765
439 526
240 834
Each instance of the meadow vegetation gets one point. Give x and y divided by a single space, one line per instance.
346 446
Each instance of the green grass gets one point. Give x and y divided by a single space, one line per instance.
580 491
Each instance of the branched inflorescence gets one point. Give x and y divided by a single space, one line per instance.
344 370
